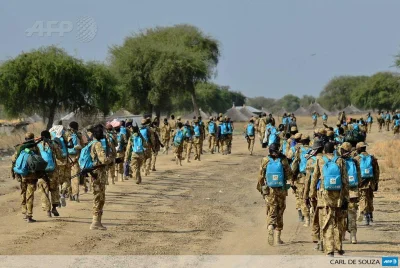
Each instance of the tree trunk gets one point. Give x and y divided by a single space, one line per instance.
192 91
158 114
52 114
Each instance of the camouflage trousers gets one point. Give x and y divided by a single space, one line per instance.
165 141
64 178
352 215
211 142
315 123
28 188
331 219
250 144
366 204
387 124
135 165
187 146
111 173
223 145
201 145
276 199
75 181
197 148
147 160
178 150
369 127
315 227
53 187
229 143
99 191
300 204
153 160
120 167
396 130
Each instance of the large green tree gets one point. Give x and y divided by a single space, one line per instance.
381 91
157 64
290 102
47 80
336 94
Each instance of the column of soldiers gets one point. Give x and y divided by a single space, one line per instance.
333 181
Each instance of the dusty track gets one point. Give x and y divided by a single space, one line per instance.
207 207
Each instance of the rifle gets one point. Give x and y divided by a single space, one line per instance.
86 171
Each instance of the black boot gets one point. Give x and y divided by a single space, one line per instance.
30 220
371 217
366 219
54 211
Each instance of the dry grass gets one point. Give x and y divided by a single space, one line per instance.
8 142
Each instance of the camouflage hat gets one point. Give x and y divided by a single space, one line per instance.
220 119
211 118
143 121
220 115
330 133
178 118
297 136
317 145
322 131
293 129
346 146
305 137
196 121
29 136
361 145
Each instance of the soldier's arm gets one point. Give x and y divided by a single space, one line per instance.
296 161
375 166
152 137
57 151
307 179
345 180
128 150
261 175
314 180
101 154
287 171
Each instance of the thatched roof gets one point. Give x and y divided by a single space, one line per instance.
246 112
122 113
316 107
352 110
191 115
301 111
236 116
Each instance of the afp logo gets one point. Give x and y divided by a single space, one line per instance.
390 261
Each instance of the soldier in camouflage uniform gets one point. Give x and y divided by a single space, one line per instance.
157 145
317 150
275 197
261 127
203 133
178 147
113 142
27 183
367 186
149 145
331 202
52 185
197 136
121 147
300 161
211 136
98 177
166 132
74 151
135 158
351 226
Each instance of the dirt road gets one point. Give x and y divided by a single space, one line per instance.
207 207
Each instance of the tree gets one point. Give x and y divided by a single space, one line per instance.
290 102
306 100
381 91
48 79
165 61
336 94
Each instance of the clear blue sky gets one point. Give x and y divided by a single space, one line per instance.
267 46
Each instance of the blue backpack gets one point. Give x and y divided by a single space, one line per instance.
224 129
356 127
137 144
196 130
273 136
250 130
229 128
303 160
72 151
339 140
121 143
178 138
367 171
369 119
186 132
332 175
85 159
284 146
285 121
47 155
324 117
314 117
105 145
352 172
388 117
145 133
274 173
211 127
397 123
122 130
21 164
60 141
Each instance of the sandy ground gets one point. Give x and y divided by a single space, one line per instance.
206 207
